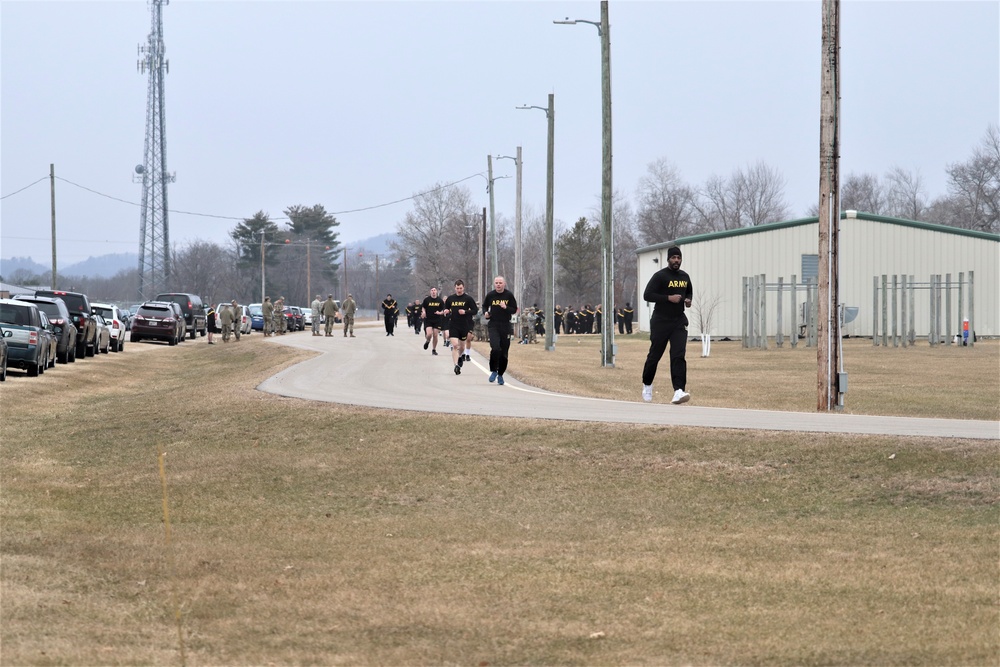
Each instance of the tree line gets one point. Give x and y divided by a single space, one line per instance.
438 240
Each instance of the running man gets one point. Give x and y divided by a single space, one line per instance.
431 310
498 307
461 308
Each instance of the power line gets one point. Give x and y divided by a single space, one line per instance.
230 217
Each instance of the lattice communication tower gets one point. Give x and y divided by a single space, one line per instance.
154 234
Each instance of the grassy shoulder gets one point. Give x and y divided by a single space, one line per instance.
306 533
950 382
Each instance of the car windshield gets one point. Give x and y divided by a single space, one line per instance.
106 313
50 309
256 311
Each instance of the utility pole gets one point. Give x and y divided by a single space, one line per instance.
308 272
262 293
518 268
493 226
550 256
829 362
52 190
607 230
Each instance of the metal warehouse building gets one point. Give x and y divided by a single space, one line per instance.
870 246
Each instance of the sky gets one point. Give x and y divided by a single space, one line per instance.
359 105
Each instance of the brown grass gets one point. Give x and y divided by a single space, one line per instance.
318 534
921 381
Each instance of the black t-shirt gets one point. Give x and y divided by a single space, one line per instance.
494 305
431 306
664 283
454 303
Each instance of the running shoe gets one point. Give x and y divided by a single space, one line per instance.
499 379
493 376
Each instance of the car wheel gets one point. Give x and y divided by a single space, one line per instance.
52 362
133 338
172 341
36 370
91 349
107 348
3 371
72 354
64 357
121 344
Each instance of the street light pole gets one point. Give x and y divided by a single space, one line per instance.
518 256
493 226
607 230
550 256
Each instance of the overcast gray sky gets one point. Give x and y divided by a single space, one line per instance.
356 104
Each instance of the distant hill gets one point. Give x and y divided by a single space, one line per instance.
377 245
104 266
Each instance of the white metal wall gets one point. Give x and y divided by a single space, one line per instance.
868 248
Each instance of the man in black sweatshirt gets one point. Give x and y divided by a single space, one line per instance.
670 291
498 307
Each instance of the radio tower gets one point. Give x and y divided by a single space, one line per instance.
154 234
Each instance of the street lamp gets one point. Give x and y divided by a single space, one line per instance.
550 269
607 328
518 272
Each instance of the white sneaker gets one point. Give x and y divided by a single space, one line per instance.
681 396
647 392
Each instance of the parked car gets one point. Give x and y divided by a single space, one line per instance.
3 356
256 316
51 342
244 320
307 316
83 317
27 346
158 320
116 321
61 321
193 309
299 320
103 335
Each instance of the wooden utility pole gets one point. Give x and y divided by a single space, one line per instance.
52 188
830 391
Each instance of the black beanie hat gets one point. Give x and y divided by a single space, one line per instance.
673 251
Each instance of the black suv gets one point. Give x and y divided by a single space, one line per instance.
83 317
62 324
194 311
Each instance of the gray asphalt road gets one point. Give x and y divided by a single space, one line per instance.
376 370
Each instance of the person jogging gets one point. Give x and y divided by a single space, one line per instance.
498 308
669 289
431 310
461 308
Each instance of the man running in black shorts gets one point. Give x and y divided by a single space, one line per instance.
431 311
461 308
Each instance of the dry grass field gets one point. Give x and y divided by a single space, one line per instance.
315 534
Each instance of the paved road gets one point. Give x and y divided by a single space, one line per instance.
375 370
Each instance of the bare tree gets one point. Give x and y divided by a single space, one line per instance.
666 205
974 186
751 197
440 236
863 192
905 194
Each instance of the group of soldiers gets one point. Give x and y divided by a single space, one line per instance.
590 320
275 323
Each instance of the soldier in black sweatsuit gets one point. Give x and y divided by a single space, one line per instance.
669 289
498 307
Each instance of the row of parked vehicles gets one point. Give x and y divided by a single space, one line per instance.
50 326
55 326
